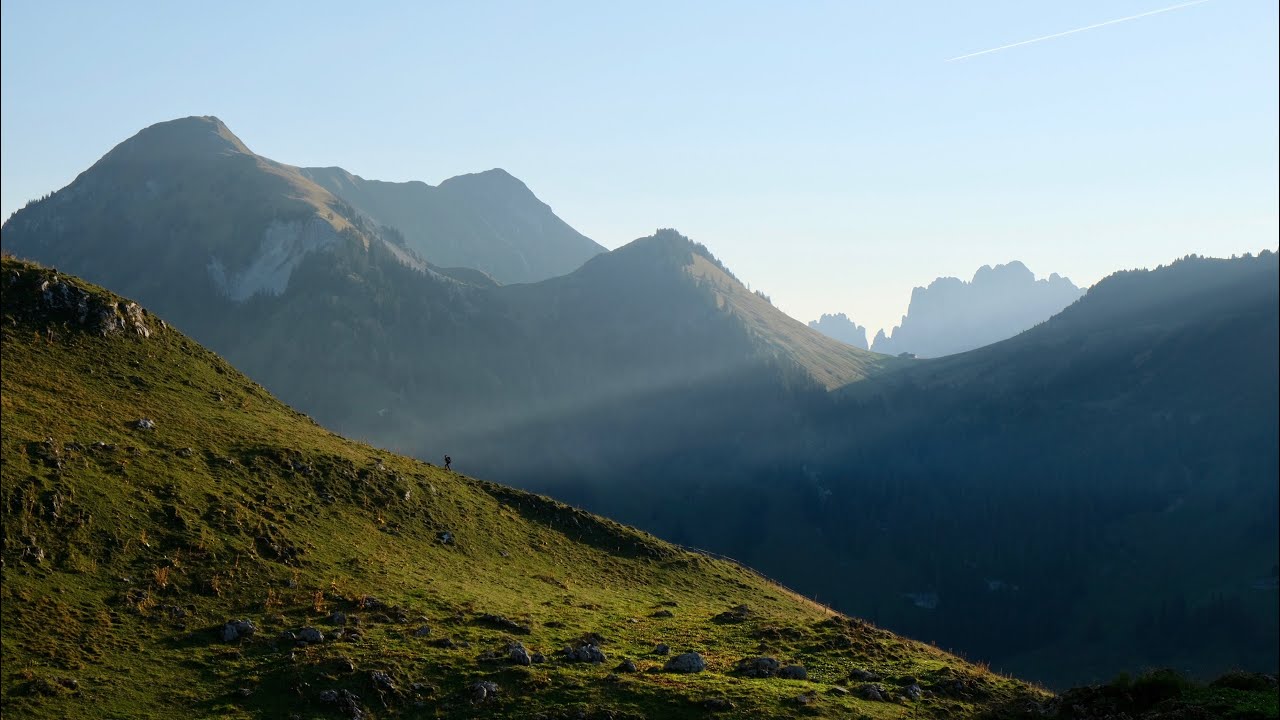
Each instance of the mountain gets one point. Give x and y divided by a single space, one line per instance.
952 316
177 542
840 327
431 360
489 221
1126 449
953 498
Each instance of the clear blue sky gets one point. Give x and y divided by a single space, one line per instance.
827 152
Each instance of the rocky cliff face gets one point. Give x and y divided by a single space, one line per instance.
951 316
840 327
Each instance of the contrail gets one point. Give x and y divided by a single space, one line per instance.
1082 29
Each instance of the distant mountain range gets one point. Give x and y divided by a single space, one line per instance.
955 497
840 327
952 316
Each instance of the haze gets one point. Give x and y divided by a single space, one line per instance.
829 155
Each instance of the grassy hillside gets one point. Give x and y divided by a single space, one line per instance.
128 547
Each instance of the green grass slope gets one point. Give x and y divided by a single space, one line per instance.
127 549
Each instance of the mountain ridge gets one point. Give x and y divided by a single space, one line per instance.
951 315
259 565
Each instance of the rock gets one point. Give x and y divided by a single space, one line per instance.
347 702
793 672
736 614
502 622
627 666
913 691
661 649
145 424
445 537
423 631
804 699
310 635
233 630
185 452
483 691
381 681
538 658
864 675
338 618
718 705
517 653
871 691
585 653
690 662
758 667
287 637
837 690
346 665
663 614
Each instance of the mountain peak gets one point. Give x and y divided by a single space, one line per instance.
186 136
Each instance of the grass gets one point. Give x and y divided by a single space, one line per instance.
127 549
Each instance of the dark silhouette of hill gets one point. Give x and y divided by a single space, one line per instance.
952 316
840 327
489 221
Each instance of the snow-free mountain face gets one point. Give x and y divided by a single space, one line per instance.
840 327
951 316
169 566
489 221
183 214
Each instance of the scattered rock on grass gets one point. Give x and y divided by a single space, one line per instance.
872 691
483 691
758 667
585 653
793 672
661 649
233 630
690 662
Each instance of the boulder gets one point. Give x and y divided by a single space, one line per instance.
871 691
310 635
234 630
758 667
585 653
690 662
483 691
793 672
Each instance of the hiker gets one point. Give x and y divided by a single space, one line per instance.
447 461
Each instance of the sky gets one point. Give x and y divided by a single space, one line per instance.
828 153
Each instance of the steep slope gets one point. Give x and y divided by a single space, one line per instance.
179 543
952 316
1125 449
299 310
840 327
489 221
183 216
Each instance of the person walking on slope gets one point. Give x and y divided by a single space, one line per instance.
447 461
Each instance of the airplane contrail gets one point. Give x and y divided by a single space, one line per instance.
1081 29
